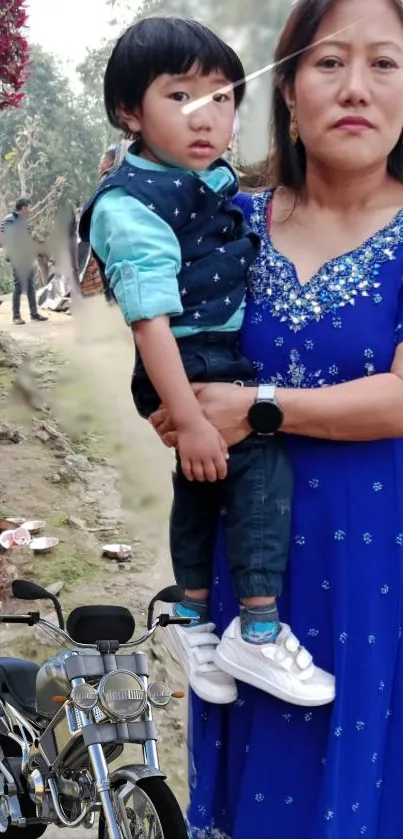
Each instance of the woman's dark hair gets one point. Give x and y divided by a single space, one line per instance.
286 163
159 45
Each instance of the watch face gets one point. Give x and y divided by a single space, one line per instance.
265 417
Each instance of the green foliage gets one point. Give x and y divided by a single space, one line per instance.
6 279
64 143
52 143
91 73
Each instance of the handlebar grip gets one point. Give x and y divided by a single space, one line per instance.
183 621
30 619
167 620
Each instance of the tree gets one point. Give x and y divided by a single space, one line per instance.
91 72
49 147
13 52
64 142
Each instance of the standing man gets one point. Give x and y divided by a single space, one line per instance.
16 238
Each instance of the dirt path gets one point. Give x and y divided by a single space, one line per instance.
99 346
84 365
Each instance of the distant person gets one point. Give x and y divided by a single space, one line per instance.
17 241
68 224
107 161
89 267
83 251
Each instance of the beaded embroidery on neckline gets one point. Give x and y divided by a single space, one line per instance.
274 284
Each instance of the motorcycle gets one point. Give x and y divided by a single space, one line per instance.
63 723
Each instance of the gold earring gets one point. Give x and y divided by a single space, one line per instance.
294 133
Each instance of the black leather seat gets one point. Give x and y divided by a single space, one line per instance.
18 684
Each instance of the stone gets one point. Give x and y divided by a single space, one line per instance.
10 353
74 521
42 435
78 462
55 588
9 433
26 386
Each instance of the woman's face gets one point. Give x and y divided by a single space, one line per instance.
348 92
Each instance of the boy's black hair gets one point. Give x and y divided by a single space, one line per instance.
21 203
158 45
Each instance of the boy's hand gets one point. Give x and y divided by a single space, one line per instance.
203 452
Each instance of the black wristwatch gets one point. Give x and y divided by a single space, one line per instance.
265 417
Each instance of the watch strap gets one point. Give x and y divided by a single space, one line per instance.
266 393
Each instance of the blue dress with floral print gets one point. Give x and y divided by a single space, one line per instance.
262 769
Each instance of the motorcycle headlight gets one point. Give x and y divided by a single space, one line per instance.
159 694
122 695
85 697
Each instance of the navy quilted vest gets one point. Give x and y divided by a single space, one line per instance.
217 245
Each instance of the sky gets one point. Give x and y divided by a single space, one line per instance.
67 28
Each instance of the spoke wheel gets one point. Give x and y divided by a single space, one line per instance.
147 810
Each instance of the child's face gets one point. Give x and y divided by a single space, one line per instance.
189 140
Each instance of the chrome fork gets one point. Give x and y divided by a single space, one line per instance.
103 787
150 753
101 776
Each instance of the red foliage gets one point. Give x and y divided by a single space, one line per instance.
13 52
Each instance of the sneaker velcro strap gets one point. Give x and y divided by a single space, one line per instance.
303 659
204 655
207 667
281 655
203 640
199 629
292 643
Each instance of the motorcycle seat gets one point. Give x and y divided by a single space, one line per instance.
18 684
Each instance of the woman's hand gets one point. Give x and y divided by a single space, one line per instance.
163 425
225 405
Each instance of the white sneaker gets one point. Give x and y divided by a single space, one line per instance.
283 668
194 648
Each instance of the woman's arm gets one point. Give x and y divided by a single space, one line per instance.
363 409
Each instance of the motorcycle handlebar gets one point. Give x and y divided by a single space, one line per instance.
33 618
30 619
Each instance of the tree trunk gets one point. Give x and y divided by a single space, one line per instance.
43 266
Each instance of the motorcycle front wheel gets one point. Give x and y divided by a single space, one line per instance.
146 810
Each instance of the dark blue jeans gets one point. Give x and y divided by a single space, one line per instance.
255 496
20 285
255 499
206 357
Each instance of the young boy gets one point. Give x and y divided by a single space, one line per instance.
175 251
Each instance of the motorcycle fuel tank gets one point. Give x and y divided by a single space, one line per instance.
52 681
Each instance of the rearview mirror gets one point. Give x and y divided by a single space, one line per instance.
28 590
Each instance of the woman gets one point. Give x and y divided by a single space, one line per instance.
324 323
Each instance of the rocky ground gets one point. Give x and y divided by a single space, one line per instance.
74 453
